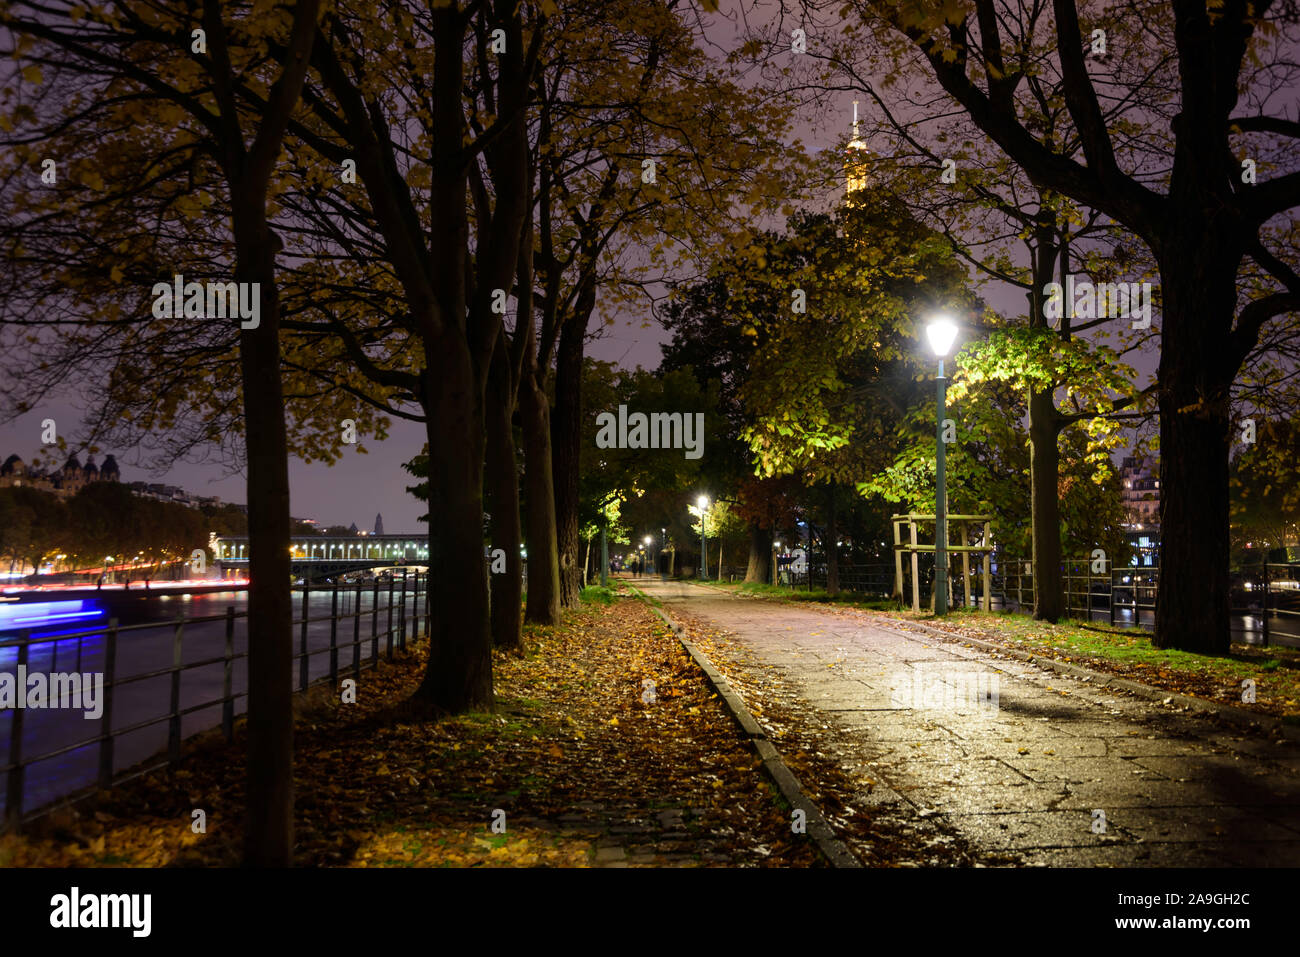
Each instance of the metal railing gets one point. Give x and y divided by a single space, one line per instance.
412 594
1264 597
1120 596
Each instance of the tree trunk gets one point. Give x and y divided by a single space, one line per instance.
586 563
503 503
832 547
1195 375
759 570
543 559
1044 468
566 443
269 817
459 673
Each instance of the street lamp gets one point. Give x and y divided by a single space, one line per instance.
941 331
703 503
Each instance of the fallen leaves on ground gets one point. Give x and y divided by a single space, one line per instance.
587 765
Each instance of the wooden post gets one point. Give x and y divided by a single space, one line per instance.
965 566
916 570
897 525
988 571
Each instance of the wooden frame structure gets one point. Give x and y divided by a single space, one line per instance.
913 547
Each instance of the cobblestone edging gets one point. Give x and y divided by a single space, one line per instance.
833 849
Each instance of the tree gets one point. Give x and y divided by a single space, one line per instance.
653 155
710 342
1266 487
134 47
32 524
1205 220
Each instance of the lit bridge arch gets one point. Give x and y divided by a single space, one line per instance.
314 557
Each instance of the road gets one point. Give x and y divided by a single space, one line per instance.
1020 761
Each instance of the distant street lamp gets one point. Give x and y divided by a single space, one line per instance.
703 503
776 550
941 331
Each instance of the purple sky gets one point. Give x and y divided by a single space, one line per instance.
361 485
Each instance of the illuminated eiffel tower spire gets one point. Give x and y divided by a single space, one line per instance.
856 158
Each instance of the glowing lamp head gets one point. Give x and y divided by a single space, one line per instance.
941 332
702 501
647 539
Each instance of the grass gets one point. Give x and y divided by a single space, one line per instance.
853 599
599 594
647 598
1129 652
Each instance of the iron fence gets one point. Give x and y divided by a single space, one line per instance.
401 614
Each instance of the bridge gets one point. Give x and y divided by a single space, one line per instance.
313 557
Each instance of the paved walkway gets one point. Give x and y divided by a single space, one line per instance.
1019 760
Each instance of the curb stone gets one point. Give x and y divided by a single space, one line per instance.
831 847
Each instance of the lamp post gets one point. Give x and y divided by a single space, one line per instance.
703 503
776 550
941 331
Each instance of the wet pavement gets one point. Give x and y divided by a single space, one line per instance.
1019 761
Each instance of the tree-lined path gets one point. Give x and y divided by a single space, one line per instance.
1024 778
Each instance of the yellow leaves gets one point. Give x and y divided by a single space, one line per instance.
613 722
32 74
